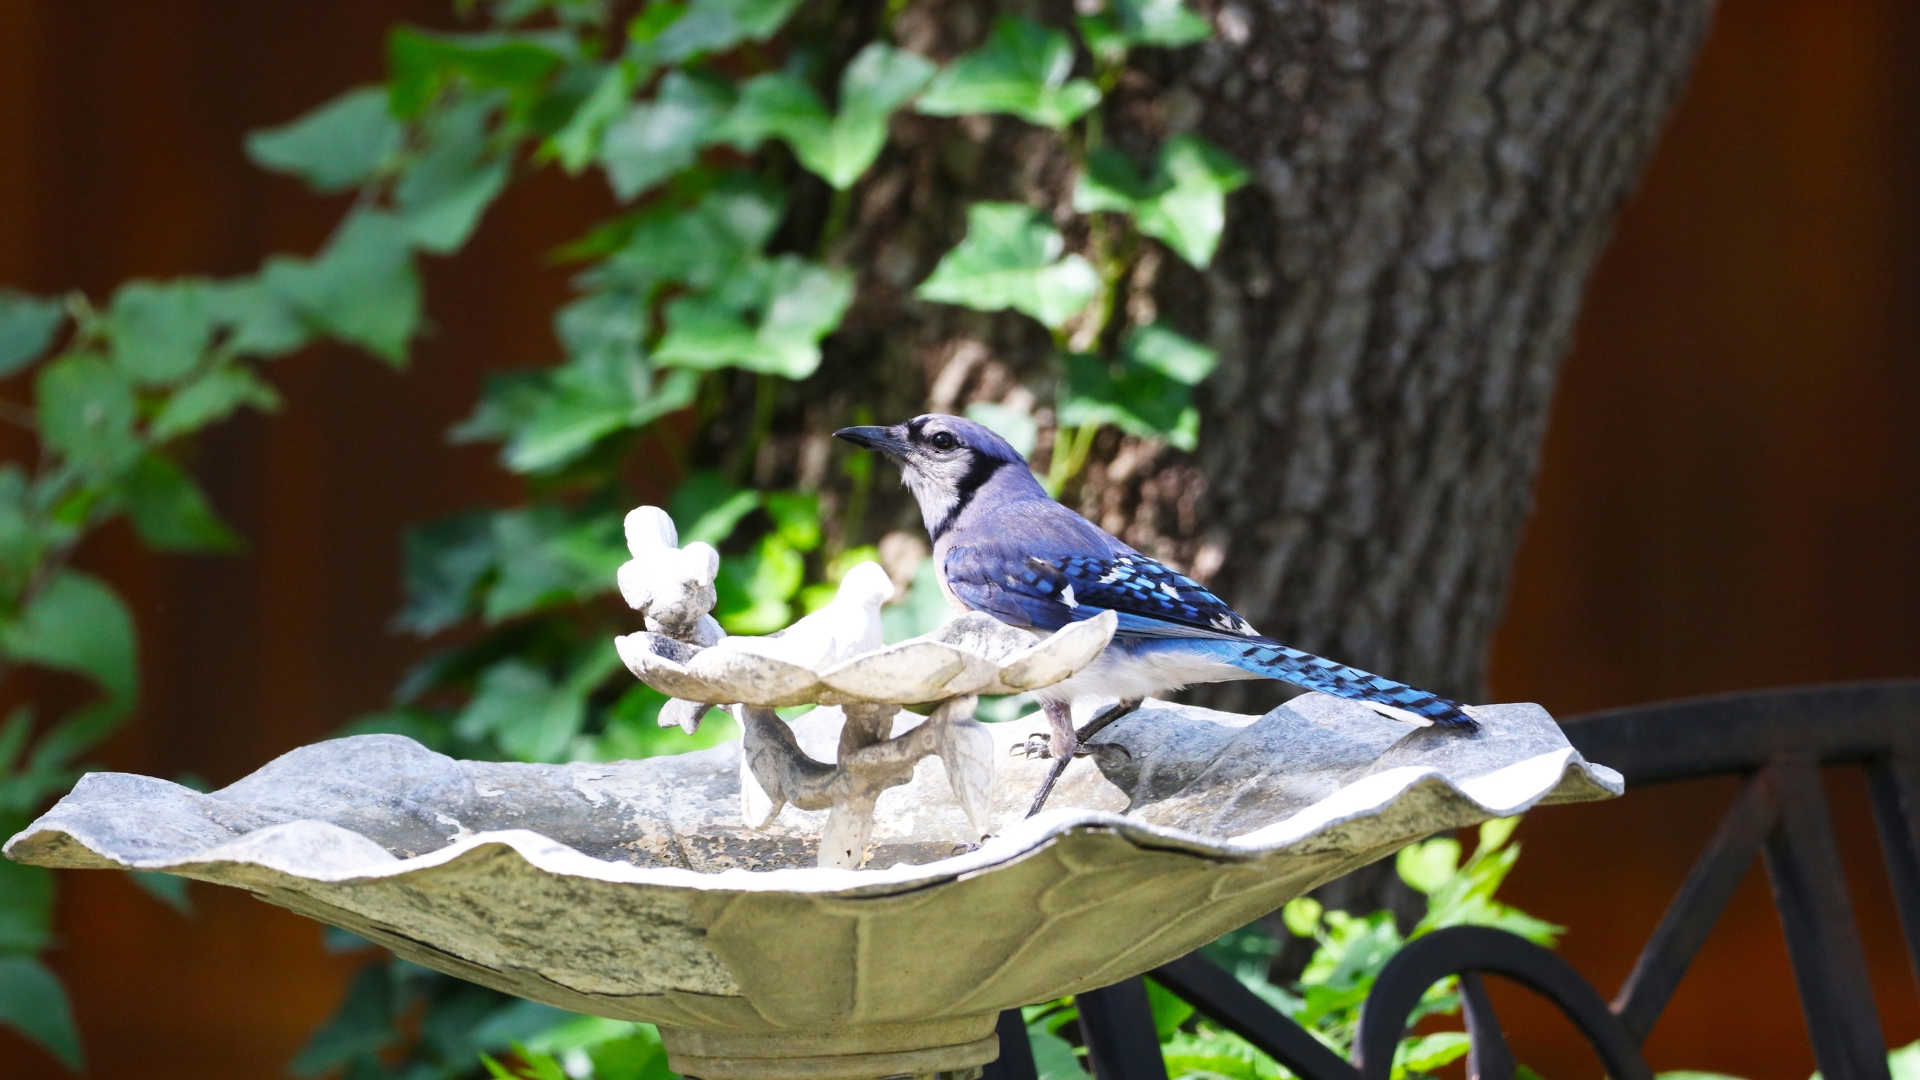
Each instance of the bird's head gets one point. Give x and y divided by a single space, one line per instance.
946 462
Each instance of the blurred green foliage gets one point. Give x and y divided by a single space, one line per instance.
696 114
118 392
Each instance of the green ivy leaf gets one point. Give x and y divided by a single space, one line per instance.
1011 258
27 326
768 317
169 510
362 287
507 399
698 246
837 149
1188 1057
608 327
923 608
879 80
1183 204
550 418
1465 897
451 183
1169 1009
1177 357
1103 39
26 892
334 147
1138 400
159 332
1426 866
77 624
645 28
259 321
1014 425
87 412
1166 23
443 563
1023 70
213 396
527 714
1302 916
1904 1063
74 734
780 104
641 1056
33 1002
22 542
710 26
796 518
578 143
658 138
421 64
1053 1056
166 888
706 507
588 402
1429 1053
522 710
754 589
532 573
361 1026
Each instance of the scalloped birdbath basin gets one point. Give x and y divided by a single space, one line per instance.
634 890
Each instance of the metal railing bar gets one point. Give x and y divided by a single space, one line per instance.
1488 1056
1810 893
1895 786
1016 1051
1695 909
1735 733
1117 1023
1218 996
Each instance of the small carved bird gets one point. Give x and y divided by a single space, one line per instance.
1003 546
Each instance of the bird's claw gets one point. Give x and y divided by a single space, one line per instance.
1036 746
1039 746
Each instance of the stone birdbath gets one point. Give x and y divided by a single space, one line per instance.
855 894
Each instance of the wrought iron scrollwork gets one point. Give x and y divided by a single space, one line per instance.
1779 740
1469 951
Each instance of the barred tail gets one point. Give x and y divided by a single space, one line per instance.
1267 657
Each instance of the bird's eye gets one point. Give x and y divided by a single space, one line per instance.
941 440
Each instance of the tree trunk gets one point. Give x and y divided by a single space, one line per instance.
1434 182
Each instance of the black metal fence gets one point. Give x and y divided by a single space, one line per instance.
1779 740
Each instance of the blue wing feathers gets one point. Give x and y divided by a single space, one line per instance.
1155 601
1270 658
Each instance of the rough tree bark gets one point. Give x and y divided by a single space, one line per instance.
1432 182
1435 181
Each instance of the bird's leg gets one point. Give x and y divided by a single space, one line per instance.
1106 716
1061 743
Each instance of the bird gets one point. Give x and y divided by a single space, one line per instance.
1003 546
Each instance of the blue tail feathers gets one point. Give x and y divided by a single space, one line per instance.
1264 656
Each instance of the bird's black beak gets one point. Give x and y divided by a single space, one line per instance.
883 439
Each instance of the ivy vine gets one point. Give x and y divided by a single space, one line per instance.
695 115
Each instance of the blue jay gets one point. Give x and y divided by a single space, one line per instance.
1003 546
